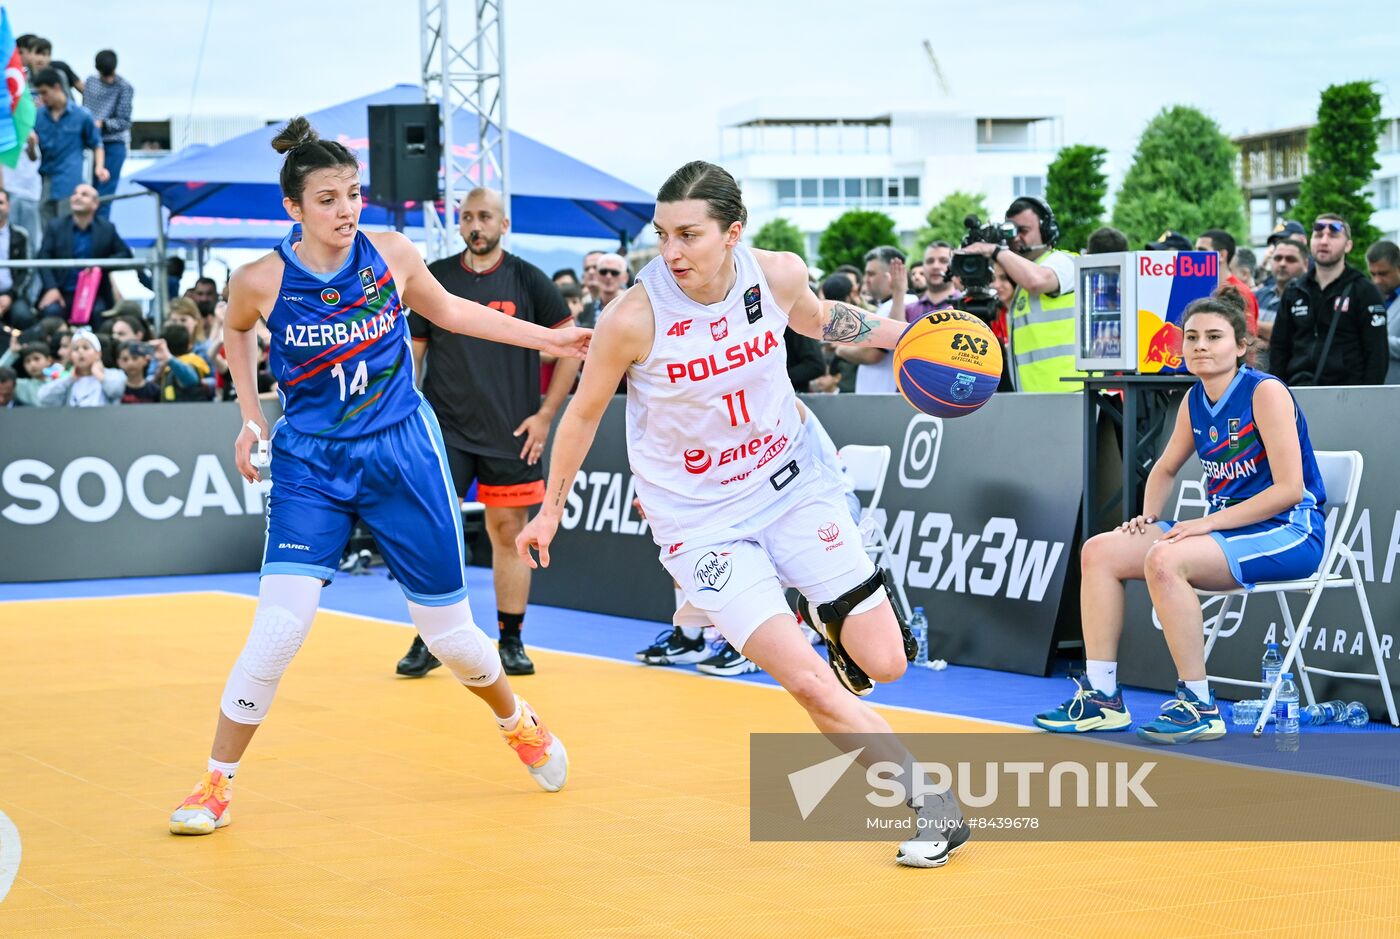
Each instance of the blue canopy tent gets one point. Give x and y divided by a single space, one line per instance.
135 219
551 192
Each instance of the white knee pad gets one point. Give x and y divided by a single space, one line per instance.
276 636
286 606
452 635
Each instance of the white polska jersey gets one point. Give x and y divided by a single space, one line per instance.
713 433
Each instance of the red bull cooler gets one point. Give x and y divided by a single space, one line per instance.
1129 307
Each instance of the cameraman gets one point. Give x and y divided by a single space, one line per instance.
1042 313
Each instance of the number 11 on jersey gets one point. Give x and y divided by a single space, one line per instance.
358 383
743 408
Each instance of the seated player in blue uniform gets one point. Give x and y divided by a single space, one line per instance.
356 440
1264 524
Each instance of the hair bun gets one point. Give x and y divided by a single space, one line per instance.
297 132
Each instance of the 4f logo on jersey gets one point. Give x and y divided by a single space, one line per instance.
753 304
719 328
1234 433
367 282
679 328
330 296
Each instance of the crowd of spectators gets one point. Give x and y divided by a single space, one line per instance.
1312 319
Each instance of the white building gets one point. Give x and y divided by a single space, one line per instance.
1272 164
810 160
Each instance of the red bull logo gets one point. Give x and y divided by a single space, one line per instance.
1163 348
1183 266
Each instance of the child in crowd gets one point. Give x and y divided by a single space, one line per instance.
181 373
88 384
134 359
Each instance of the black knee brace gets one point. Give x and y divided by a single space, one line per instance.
833 615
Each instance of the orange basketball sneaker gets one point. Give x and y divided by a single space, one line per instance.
542 753
206 808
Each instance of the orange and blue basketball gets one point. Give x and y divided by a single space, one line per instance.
947 363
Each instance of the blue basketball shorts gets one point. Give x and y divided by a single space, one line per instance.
397 481
1286 547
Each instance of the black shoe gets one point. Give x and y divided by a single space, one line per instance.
674 648
728 661
513 657
418 661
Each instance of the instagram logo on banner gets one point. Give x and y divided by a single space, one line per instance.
919 456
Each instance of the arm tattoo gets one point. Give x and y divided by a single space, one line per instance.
846 325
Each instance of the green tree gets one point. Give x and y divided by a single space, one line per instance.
781 235
1341 163
1075 187
1182 178
944 221
850 235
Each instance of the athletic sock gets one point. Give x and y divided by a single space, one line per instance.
1103 676
509 624
1201 689
228 769
692 632
508 723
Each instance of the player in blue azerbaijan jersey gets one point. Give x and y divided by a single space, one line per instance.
356 440
1265 523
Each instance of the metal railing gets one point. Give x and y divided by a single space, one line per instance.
155 263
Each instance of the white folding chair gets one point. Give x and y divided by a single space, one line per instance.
866 467
1341 478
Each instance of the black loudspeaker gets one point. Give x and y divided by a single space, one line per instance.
405 150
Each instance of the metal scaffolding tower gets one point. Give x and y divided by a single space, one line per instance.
466 79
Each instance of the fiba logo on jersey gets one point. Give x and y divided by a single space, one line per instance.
330 296
697 462
712 571
919 456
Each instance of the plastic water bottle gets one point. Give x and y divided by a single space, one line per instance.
919 627
1328 712
1271 665
1357 715
1246 712
1286 715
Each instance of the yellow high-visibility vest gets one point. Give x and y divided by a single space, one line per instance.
1042 338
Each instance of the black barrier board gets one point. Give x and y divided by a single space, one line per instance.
125 492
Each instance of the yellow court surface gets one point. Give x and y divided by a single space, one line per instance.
374 806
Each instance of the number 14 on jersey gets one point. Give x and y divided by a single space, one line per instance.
358 383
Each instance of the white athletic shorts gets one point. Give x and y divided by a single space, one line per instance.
735 577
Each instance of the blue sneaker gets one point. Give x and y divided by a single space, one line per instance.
1089 709
1185 719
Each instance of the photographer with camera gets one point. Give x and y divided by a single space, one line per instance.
1042 313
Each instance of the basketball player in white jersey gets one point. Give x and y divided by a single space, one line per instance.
727 472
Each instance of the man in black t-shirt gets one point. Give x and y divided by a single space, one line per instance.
487 398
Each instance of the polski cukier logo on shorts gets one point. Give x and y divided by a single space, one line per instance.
712 571
330 296
696 461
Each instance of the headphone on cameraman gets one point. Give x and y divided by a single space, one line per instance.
1049 228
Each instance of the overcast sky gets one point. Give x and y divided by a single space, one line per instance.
635 87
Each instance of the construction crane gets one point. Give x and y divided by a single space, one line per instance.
937 72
